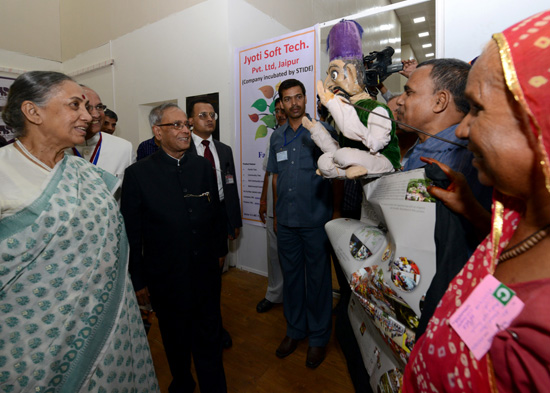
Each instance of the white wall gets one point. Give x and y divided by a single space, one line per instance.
22 63
469 24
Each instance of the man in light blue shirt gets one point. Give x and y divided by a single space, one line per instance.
303 205
434 102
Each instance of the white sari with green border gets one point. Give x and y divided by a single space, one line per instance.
69 320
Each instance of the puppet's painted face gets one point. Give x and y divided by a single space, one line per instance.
342 79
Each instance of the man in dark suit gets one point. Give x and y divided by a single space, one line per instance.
177 240
202 119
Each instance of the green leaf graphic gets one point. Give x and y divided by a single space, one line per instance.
260 105
272 107
269 120
261 132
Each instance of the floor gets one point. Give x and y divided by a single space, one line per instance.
251 365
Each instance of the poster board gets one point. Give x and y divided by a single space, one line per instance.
260 68
389 259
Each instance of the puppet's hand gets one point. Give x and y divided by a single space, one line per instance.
308 124
324 94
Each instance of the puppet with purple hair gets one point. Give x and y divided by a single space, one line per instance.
367 143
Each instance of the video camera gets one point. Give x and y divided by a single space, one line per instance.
378 66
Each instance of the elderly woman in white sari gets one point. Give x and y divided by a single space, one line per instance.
69 320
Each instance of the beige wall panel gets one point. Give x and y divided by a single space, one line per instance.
86 25
31 27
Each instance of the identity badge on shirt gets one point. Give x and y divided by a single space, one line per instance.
490 308
282 156
229 179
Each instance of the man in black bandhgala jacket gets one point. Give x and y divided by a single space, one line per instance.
177 236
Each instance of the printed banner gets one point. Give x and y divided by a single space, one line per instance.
260 68
390 262
5 83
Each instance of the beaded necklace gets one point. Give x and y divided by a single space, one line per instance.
524 245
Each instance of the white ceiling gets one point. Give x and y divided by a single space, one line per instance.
410 30
403 31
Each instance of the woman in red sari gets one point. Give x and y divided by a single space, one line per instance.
508 129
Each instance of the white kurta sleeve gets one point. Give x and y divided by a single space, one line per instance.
375 135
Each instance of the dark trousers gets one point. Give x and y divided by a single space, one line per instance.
307 286
197 332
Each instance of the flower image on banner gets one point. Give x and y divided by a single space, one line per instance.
260 69
265 111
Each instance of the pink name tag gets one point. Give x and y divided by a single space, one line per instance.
490 308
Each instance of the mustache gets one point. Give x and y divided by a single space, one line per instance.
341 92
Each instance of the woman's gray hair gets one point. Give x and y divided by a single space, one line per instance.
155 116
34 86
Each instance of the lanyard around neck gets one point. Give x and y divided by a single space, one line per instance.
296 135
95 154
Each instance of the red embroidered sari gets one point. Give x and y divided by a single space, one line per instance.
519 358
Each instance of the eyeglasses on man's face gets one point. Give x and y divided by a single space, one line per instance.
205 115
98 107
179 125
